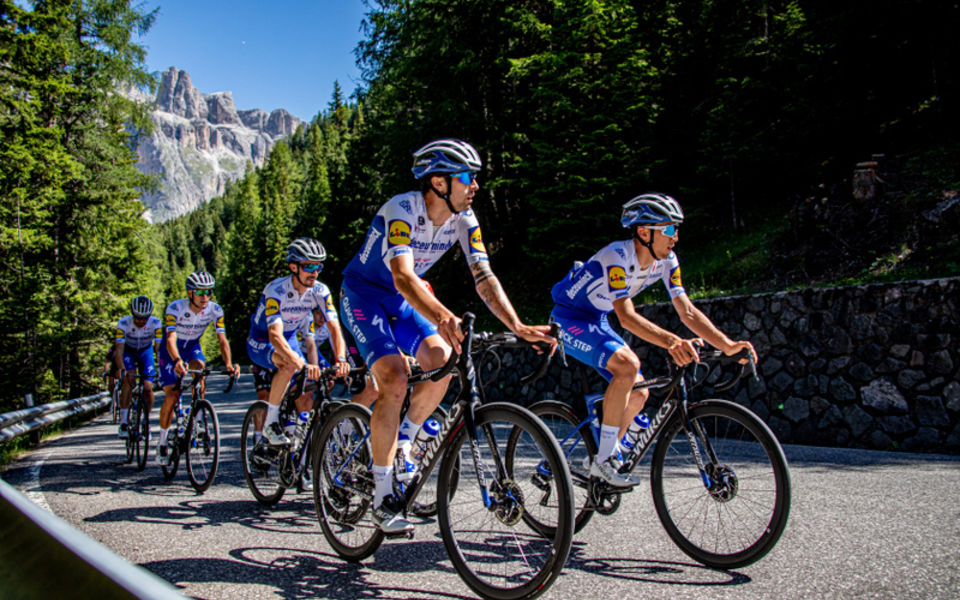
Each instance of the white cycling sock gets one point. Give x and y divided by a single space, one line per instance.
383 482
608 442
123 415
408 430
273 414
163 436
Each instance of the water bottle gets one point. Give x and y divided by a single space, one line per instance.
302 420
181 420
639 423
428 431
592 400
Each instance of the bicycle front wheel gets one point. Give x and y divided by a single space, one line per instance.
259 460
133 426
486 532
142 433
343 482
203 446
734 514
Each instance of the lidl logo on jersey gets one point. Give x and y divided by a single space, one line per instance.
329 303
476 241
272 307
398 234
170 320
219 324
675 277
617 278
120 333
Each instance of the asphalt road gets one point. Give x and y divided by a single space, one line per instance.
863 524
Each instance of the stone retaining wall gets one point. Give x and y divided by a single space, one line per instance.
868 366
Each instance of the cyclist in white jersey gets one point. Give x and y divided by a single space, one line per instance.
136 340
184 322
284 304
388 309
608 282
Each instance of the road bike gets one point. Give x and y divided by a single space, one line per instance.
482 508
718 476
196 434
271 470
138 423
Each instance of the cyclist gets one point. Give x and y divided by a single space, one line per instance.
185 320
607 282
136 340
284 304
388 309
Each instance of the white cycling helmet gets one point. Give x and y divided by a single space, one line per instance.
141 307
302 249
445 156
651 209
200 280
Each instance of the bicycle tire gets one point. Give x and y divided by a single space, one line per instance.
202 445
578 447
115 404
142 433
259 471
170 469
747 510
487 546
133 424
341 449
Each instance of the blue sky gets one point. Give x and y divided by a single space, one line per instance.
282 54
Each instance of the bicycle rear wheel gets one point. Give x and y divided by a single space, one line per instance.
492 546
170 469
578 446
736 517
142 433
259 460
203 446
343 482
115 404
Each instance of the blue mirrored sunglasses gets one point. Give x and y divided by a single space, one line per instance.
668 230
465 177
312 267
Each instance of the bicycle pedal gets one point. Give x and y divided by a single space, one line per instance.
399 534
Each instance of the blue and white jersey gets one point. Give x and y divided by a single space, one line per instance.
402 226
188 325
280 301
138 338
613 273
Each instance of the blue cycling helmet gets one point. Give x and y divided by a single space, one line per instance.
200 280
304 249
651 209
445 156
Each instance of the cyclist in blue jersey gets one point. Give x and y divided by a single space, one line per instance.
184 322
284 304
137 337
388 309
607 282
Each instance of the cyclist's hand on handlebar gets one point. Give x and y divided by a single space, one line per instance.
343 368
537 334
450 330
313 372
685 351
739 347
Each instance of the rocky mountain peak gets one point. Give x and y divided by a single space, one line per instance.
200 142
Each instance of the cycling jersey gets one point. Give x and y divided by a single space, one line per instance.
280 301
613 273
189 325
138 338
402 226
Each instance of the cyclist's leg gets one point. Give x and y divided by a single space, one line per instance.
262 379
424 399
126 387
149 373
263 353
171 394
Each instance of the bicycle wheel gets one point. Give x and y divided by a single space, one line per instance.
142 433
492 546
578 446
343 482
170 469
203 445
740 516
115 404
259 460
133 425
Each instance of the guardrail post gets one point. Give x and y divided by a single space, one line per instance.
34 435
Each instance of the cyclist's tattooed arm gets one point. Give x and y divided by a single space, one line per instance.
490 290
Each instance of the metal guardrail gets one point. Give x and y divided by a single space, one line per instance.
44 557
19 422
